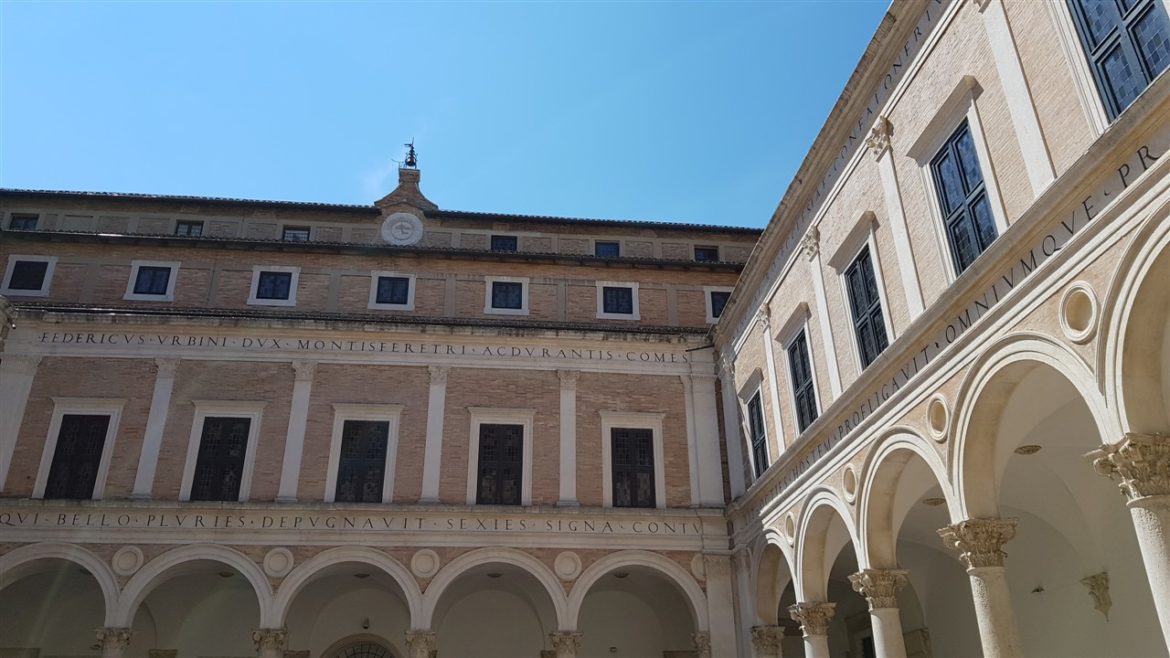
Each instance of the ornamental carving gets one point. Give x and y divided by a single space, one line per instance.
979 541
879 586
702 641
568 379
438 375
270 640
766 640
113 639
565 643
1098 586
304 370
420 644
879 136
1140 462
811 243
166 368
814 618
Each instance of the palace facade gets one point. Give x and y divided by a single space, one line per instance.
894 423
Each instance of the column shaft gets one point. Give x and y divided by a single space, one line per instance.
735 439
16 378
980 545
879 144
813 250
568 420
433 452
887 633
1152 524
294 442
773 383
156 421
706 418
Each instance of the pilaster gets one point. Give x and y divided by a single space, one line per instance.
17 372
773 379
156 421
433 451
568 421
812 249
879 141
294 442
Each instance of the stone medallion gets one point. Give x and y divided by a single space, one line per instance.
424 563
402 229
278 562
127 560
567 565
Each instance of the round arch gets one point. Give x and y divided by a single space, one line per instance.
21 562
481 556
772 569
989 378
674 573
310 569
333 650
882 474
153 573
812 542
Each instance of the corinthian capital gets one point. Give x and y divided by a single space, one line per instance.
811 244
766 640
304 370
438 375
814 618
879 136
113 639
979 541
565 643
702 641
1140 463
879 586
568 379
420 644
270 641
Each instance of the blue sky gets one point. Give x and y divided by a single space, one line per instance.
695 112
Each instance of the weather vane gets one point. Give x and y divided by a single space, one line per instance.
411 156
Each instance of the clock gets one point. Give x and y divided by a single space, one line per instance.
402 229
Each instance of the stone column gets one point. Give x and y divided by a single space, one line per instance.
766 641
114 641
420 644
880 589
294 441
565 643
1141 464
812 248
270 642
568 497
433 452
980 546
16 378
156 421
702 642
814 621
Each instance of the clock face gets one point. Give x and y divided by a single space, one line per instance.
402 228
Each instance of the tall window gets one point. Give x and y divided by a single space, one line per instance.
866 305
152 280
219 467
1127 43
963 198
78 454
803 391
501 462
759 434
362 468
633 467
23 222
718 302
504 243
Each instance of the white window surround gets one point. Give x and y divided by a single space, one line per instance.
707 290
631 420
292 285
960 105
493 416
374 304
85 406
1078 64
488 281
168 296
862 235
253 411
602 315
13 259
797 324
388 413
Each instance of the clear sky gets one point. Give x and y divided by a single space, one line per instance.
692 112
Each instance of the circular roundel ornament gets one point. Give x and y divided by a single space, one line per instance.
402 228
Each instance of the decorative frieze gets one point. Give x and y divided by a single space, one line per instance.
1140 463
879 586
979 541
814 618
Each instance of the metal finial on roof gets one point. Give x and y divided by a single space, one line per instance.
411 156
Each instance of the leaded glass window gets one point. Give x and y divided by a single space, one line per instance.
78 454
152 280
219 467
963 198
1127 44
508 294
617 299
803 391
501 464
393 290
759 434
866 305
633 467
361 470
273 285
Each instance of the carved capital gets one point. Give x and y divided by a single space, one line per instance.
438 375
879 586
20 364
166 368
702 642
1140 463
979 541
568 379
420 644
113 639
565 643
811 243
879 137
766 640
764 317
270 641
814 618
1098 586
304 370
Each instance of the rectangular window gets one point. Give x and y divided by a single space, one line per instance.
28 275
219 467
866 305
803 391
500 466
77 457
633 467
273 285
361 470
393 290
1127 45
189 229
295 234
504 243
706 254
617 300
23 222
718 301
759 434
152 280
962 196
607 249
507 295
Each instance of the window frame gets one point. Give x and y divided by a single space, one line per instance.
388 413
254 411
862 236
617 243
709 302
13 216
636 313
68 406
189 222
285 228
168 296
492 243
500 416
797 325
695 253
843 281
631 420
253 300
757 395
43 291
489 282
373 301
